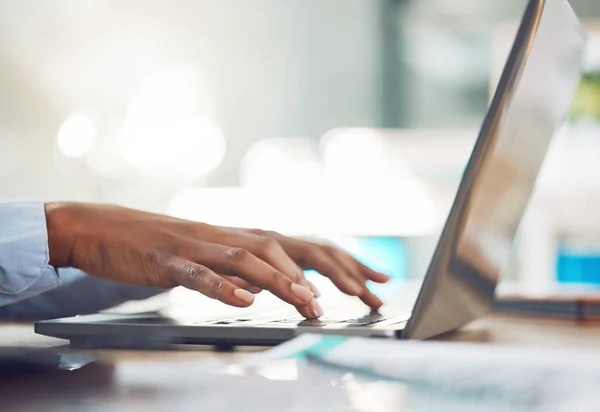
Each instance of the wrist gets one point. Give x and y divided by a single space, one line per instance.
62 232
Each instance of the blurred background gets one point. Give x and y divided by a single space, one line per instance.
346 119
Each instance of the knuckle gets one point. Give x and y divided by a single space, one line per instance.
313 253
218 286
153 260
155 257
237 255
328 248
197 273
266 233
300 277
276 278
155 264
268 244
201 279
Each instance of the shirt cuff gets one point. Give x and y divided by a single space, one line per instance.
24 254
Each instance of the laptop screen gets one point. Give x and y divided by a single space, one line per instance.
531 100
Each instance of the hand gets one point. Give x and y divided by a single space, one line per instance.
228 264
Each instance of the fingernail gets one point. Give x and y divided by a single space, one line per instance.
244 295
302 292
316 309
314 289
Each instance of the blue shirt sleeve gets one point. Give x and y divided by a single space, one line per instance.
24 257
78 294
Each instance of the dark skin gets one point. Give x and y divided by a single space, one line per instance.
227 264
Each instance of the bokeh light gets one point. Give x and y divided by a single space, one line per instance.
167 129
372 187
77 135
104 160
226 206
282 162
359 156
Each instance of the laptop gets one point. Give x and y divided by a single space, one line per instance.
533 95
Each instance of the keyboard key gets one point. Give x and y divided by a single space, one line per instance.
362 323
288 320
231 321
365 320
313 322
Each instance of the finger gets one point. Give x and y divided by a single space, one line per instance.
242 284
300 252
353 267
328 265
316 258
311 311
269 250
348 262
343 272
370 299
243 264
372 274
201 279
314 289
357 269
288 246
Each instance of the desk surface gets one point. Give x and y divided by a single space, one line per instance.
131 379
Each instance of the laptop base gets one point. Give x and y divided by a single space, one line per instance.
157 332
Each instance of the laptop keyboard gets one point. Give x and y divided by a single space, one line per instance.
366 320
362 321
